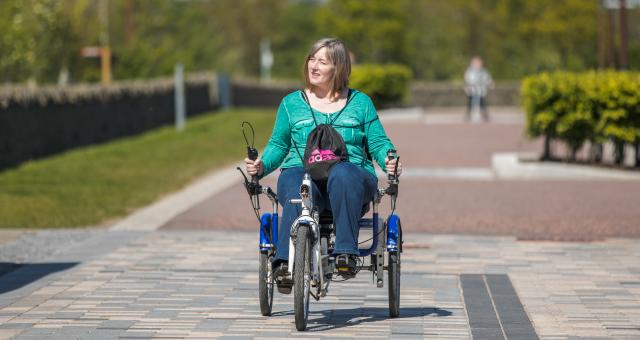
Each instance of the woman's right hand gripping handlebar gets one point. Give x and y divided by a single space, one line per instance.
254 168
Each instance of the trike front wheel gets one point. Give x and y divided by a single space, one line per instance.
265 284
302 277
393 270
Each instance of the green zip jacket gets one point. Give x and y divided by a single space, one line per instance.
358 120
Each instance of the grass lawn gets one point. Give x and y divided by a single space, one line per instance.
96 184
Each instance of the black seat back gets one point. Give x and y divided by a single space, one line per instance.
326 217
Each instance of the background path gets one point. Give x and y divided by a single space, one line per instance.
448 187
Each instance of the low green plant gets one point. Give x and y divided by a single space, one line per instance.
386 84
579 107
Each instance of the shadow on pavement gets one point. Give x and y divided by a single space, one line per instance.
339 318
17 275
7 267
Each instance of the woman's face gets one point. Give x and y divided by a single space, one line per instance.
320 69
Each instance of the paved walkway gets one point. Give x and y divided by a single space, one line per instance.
170 284
191 279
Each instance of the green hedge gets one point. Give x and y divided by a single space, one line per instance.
579 107
386 84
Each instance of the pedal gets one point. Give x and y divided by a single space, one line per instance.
346 275
345 270
285 285
284 289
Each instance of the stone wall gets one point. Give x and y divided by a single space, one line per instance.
452 94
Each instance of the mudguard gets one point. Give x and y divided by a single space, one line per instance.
394 233
265 232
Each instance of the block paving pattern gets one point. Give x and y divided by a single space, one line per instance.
203 285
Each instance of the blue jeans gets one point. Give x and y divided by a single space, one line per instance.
348 189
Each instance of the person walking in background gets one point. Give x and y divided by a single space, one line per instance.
477 82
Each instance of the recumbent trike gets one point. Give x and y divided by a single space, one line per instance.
311 246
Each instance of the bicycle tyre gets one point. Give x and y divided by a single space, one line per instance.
393 270
265 284
301 277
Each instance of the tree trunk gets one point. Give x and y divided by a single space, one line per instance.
596 153
573 154
546 154
619 152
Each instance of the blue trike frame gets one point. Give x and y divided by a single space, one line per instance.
269 232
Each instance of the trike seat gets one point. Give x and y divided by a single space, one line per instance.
326 216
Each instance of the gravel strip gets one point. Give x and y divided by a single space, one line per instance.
42 245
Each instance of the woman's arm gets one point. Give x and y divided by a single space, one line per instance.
377 141
279 143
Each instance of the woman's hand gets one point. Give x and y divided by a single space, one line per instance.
390 165
254 167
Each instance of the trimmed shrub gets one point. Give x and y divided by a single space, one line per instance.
579 107
386 84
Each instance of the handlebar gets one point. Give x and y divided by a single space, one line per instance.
392 190
254 189
252 154
391 155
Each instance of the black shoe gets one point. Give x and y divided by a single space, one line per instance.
282 278
346 265
279 268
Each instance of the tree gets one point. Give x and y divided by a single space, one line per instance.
434 38
374 30
35 42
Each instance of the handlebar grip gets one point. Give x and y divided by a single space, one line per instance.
252 154
392 154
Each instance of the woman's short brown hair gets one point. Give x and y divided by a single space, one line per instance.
338 55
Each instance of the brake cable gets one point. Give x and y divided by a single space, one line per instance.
253 187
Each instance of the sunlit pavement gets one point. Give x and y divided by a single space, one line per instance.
203 284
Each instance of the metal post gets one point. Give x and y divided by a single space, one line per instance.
266 59
602 38
611 48
224 90
105 51
105 65
622 55
180 111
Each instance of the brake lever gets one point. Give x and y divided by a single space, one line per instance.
253 189
243 175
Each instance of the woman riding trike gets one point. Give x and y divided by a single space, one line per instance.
325 140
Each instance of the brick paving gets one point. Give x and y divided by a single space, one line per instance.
202 285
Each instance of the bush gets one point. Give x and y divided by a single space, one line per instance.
385 84
579 107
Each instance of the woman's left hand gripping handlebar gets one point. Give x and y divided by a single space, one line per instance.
390 166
